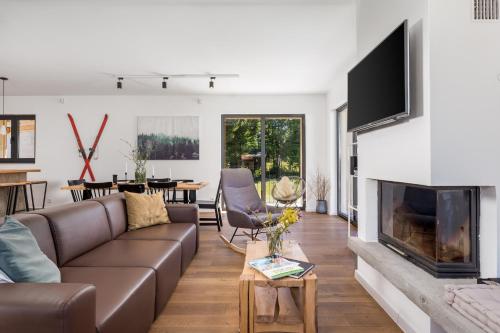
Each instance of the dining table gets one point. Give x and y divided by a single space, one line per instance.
181 186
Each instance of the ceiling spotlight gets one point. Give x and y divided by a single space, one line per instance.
119 83
164 83
211 84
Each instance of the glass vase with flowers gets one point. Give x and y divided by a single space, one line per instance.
139 157
277 228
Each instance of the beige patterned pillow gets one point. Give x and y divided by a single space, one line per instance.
145 210
285 189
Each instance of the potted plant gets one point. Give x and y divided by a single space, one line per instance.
139 158
320 188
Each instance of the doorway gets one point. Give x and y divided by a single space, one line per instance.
347 189
271 146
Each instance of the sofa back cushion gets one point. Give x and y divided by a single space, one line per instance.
77 228
40 228
116 210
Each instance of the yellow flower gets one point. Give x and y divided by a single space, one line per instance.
289 216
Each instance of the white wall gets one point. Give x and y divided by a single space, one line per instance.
58 158
401 152
465 118
337 96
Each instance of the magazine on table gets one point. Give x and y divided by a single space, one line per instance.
306 266
275 268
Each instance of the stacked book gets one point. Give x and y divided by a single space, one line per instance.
276 268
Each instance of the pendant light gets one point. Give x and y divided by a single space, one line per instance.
3 128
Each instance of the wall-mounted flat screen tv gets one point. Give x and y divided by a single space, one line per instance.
378 87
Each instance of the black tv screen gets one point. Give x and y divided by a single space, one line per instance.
378 89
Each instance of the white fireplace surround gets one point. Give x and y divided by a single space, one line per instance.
392 280
368 222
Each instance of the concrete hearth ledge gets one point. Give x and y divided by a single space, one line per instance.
420 287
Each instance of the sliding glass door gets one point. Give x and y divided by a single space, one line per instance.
270 146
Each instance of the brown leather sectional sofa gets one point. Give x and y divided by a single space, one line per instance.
112 280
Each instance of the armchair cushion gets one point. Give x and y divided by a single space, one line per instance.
258 217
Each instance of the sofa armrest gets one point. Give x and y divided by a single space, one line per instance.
181 213
47 307
184 213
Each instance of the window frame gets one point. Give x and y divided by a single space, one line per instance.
262 118
15 118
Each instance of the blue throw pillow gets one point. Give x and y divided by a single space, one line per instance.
20 256
4 278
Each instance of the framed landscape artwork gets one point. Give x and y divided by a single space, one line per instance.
169 138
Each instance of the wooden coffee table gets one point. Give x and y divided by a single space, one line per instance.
283 305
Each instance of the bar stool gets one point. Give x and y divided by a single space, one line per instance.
13 195
37 182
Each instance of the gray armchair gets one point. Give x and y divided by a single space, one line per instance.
244 206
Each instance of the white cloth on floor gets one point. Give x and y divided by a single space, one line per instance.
480 303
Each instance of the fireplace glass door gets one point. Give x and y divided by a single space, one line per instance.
435 224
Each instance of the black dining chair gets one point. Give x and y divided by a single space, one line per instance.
165 187
77 195
97 190
215 205
133 188
157 179
187 196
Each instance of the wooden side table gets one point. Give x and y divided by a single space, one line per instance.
284 305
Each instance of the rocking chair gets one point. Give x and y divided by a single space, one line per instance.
244 207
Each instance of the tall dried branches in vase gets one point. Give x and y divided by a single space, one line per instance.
139 158
320 187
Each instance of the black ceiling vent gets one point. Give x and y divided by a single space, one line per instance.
485 10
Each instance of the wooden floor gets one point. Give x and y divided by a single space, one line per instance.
206 299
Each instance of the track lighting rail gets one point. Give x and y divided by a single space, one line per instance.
177 76
165 77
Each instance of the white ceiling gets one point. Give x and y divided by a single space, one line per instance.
74 47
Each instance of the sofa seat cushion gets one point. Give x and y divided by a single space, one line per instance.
124 296
163 256
185 233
